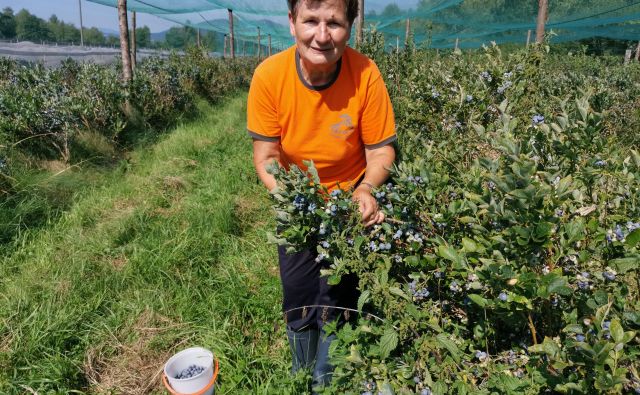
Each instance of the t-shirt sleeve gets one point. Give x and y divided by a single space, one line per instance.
262 113
377 121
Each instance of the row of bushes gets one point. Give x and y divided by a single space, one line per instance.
509 259
42 109
84 113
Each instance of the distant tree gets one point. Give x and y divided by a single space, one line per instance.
143 37
93 36
30 27
63 32
7 24
176 38
391 10
112 41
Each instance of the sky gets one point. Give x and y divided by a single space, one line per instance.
93 15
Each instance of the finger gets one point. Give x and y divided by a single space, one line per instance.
376 218
368 208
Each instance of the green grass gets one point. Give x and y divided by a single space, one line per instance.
167 252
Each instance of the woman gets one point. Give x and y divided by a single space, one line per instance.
323 101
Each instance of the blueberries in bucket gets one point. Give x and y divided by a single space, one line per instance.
189 372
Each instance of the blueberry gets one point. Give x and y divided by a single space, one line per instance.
502 296
580 338
481 355
537 119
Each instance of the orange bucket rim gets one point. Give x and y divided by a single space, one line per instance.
216 368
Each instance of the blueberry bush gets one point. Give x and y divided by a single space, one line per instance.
41 110
508 261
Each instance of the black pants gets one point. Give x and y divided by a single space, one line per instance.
303 286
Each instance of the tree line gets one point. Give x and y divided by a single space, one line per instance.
25 26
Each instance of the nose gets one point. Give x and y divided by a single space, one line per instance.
323 36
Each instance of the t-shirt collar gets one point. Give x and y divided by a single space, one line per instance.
317 87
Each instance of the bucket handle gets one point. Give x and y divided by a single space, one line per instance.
202 391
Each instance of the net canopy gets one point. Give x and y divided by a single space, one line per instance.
433 23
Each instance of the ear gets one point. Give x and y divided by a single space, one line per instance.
292 21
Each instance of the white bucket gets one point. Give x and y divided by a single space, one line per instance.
194 385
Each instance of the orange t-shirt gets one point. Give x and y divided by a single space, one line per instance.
331 124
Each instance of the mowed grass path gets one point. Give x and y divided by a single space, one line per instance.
169 252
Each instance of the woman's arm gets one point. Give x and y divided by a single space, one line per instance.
264 153
379 161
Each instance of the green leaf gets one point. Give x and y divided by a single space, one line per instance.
636 157
477 299
398 292
633 238
450 253
617 333
444 340
388 342
363 299
573 328
354 355
623 265
386 389
559 285
469 245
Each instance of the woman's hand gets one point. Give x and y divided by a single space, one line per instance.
368 205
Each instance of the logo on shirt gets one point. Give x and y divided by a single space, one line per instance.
344 128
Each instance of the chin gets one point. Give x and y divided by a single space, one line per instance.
321 59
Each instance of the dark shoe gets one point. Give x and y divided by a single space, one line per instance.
303 345
323 369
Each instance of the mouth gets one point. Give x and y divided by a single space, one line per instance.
323 50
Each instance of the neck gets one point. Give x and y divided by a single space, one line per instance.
317 75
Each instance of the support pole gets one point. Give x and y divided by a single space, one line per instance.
133 42
224 52
627 56
124 41
81 35
269 44
457 41
198 37
638 52
232 42
528 37
259 46
543 13
359 23
407 29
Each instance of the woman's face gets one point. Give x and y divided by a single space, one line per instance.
321 30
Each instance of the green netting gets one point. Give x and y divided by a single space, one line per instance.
434 23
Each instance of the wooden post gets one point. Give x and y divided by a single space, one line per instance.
407 29
543 13
627 56
457 41
638 52
528 36
359 23
124 41
269 44
224 53
232 41
81 36
133 41
259 46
